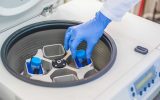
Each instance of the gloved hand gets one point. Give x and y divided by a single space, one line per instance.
90 32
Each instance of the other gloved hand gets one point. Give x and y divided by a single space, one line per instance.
90 32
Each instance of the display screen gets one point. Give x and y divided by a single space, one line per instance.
145 79
141 83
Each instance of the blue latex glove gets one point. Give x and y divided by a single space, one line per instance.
90 32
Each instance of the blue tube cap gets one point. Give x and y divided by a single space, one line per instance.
35 61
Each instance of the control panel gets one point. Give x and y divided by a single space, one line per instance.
143 84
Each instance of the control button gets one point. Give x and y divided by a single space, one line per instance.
149 85
132 89
140 93
152 81
141 50
133 94
145 88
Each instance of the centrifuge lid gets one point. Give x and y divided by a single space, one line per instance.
14 12
10 8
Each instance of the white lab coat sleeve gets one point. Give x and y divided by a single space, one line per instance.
115 9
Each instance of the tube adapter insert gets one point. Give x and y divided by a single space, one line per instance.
53 51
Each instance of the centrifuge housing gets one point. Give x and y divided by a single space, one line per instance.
25 42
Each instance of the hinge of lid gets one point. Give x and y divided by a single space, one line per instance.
48 10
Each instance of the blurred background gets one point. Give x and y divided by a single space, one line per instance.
149 9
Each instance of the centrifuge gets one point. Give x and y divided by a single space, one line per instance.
125 62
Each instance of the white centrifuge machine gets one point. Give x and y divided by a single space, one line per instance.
126 61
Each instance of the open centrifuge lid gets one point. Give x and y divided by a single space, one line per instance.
15 12
16 7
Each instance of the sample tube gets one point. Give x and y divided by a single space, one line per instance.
36 65
81 60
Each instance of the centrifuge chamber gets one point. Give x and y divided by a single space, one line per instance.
25 42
